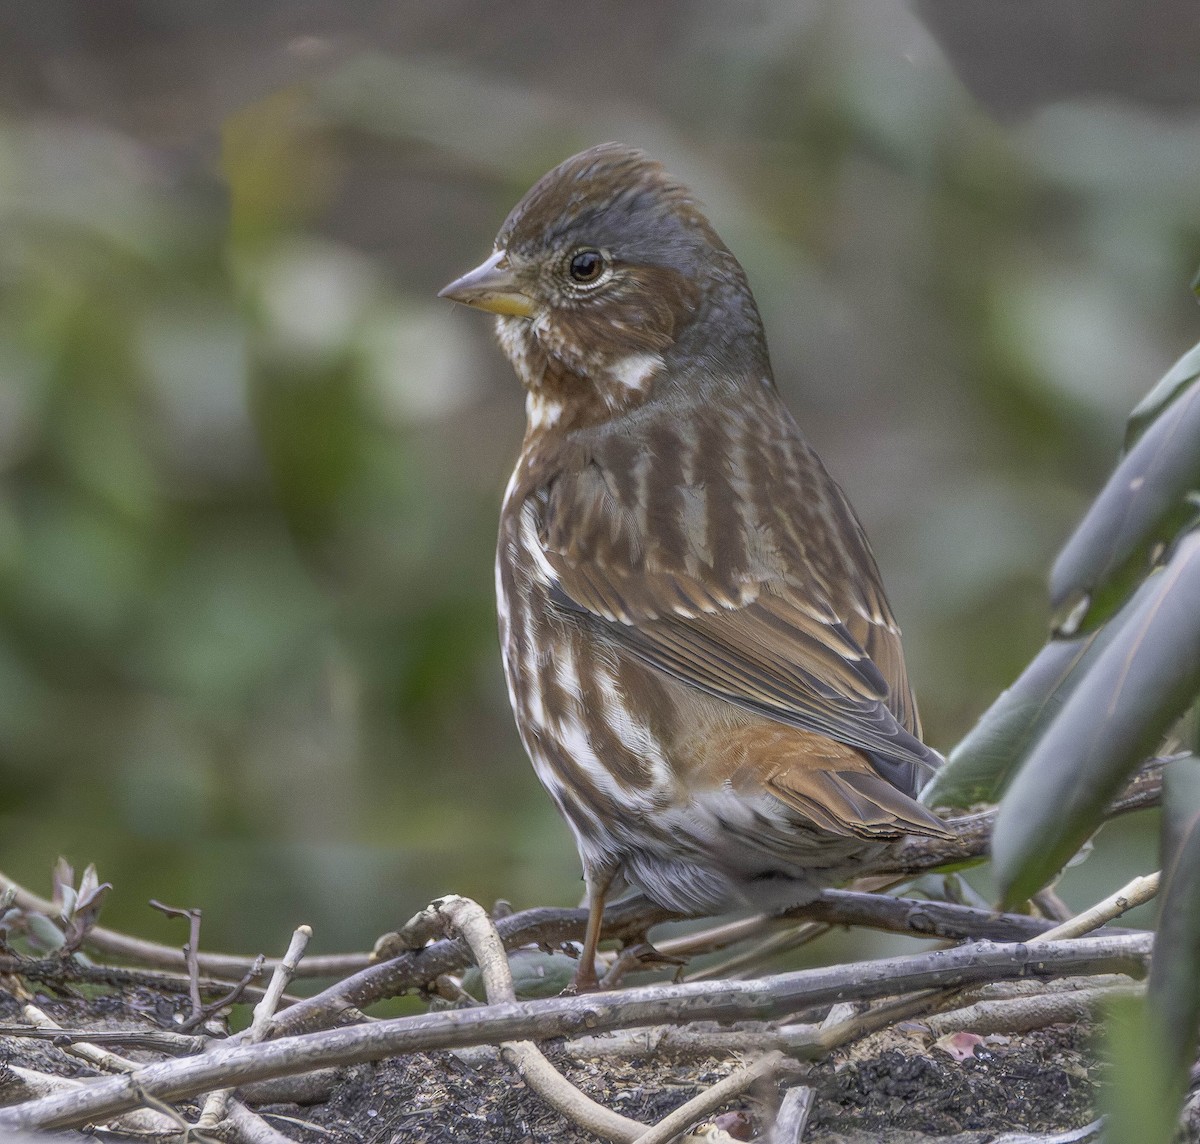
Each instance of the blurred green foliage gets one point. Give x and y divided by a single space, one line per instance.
250 467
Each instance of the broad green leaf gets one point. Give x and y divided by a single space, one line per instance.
534 973
1138 1105
1139 685
1173 997
1144 504
983 762
1173 383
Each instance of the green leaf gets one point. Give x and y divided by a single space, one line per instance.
1173 997
535 974
1173 383
1144 504
983 762
1139 685
1138 1105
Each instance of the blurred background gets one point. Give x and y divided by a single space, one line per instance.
250 465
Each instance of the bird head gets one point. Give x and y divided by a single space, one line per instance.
608 271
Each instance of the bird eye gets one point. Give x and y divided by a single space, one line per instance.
586 266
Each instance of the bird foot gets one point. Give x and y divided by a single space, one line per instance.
584 981
638 958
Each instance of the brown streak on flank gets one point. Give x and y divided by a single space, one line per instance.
651 697
630 770
578 785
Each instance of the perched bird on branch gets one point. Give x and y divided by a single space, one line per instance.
703 666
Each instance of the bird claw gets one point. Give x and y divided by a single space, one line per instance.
638 957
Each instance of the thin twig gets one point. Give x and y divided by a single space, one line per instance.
59 971
761 999
972 834
230 997
919 917
191 951
229 967
472 921
631 918
1140 890
217 1103
747 961
241 1126
84 1050
627 919
1051 906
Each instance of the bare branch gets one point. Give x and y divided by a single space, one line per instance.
761 999
1140 890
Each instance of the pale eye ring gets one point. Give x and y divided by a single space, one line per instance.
586 266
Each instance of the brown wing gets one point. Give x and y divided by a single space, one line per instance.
718 550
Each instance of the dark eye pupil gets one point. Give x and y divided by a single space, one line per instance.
586 265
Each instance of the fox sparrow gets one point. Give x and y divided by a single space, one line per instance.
702 663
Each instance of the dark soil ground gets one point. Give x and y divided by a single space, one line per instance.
877 1092
893 1086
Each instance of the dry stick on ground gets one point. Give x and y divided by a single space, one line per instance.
1140 890
157 1040
922 918
1007 1007
767 1065
627 920
948 921
216 1105
631 918
247 1127
763 999
792 1118
139 1121
67 971
84 1050
472 921
1023 1014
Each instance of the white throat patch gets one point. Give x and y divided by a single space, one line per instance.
540 411
635 371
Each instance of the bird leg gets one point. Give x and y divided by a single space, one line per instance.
585 979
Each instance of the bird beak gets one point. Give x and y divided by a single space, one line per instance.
491 286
